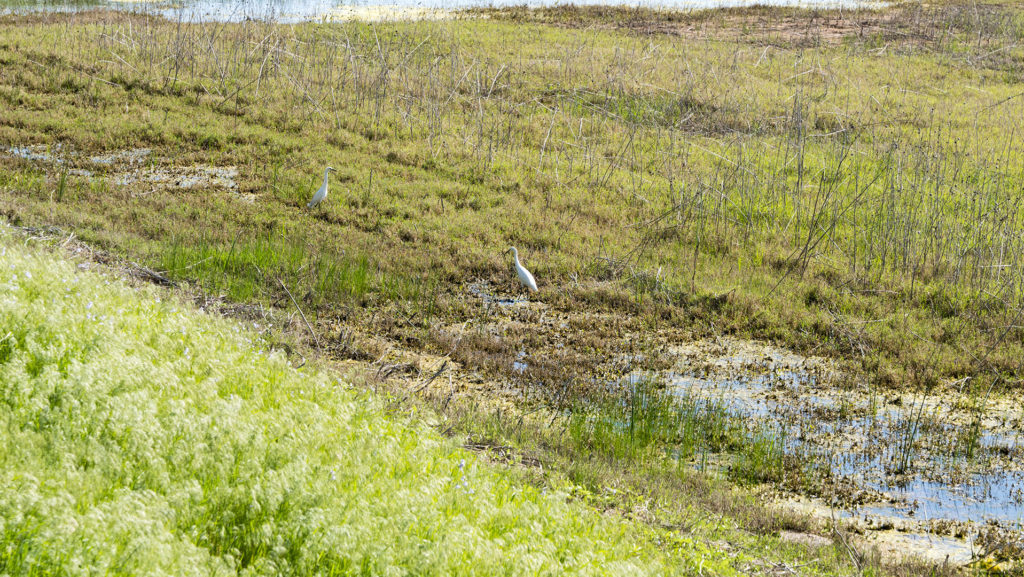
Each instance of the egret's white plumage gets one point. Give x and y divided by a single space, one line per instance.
525 278
322 193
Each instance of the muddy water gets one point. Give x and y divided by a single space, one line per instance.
921 471
489 297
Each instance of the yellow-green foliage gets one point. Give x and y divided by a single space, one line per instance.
139 437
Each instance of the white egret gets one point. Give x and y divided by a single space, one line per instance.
525 278
322 193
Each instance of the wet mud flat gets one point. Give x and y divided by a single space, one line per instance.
940 474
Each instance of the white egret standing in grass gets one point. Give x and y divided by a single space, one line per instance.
322 193
525 278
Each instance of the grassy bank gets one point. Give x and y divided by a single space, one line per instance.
142 438
852 190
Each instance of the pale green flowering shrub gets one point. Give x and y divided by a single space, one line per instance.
140 437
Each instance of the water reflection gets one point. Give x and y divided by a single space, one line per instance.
913 451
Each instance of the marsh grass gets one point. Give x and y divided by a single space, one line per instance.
835 210
596 447
646 421
843 183
253 259
763 459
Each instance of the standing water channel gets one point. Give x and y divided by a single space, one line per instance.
938 473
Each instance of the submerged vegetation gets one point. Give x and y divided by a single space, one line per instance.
844 183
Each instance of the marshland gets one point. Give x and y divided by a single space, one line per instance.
779 325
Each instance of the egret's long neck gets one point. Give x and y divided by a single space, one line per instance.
515 255
326 174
